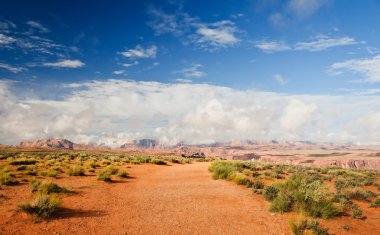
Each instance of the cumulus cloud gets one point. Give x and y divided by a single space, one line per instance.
12 68
139 52
115 111
65 64
369 68
271 46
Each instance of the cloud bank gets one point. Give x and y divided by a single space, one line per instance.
114 111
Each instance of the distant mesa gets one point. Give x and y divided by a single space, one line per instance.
59 143
48 143
142 143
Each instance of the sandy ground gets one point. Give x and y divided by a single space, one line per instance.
177 199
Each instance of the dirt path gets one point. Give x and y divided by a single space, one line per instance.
177 199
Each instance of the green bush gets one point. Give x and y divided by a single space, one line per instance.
75 171
42 206
270 192
122 174
257 184
304 225
46 187
7 178
359 194
281 203
221 170
157 161
49 173
240 178
105 176
22 161
300 228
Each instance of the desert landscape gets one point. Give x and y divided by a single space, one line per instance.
55 186
189 117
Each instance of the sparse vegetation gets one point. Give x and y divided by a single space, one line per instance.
76 171
42 206
47 187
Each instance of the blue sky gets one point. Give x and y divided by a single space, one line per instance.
290 58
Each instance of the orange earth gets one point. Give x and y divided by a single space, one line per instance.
173 199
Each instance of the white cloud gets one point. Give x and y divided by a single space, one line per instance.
37 25
216 35
320 43
191 31
323 43
4 39
139 52
297 115
272 46
369 68
118 72
193 71
127 65
11 68
304 8
194 113
65 64
280 79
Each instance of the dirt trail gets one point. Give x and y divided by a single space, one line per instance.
177 199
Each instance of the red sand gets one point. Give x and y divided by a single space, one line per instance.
176 199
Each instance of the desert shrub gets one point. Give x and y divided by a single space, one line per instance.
356 212
317 229
255 174
7 178
311 198
281 203
376 202
105 176
275 175
122 174
270 192
93 164
111 169
175 160
257 184
47 187
49 173
238 178
359 194
42 206
157 161
75 171
221 170
304 226
246 172
300 228
22 161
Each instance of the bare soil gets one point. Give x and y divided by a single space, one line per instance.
174 199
